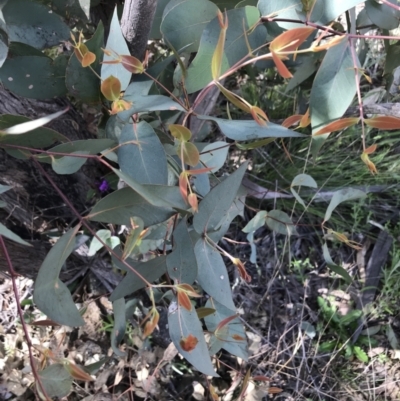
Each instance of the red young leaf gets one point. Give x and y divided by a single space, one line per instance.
224 322
261 378
281 67
111 88
183 184
189 290
132 64
184 300
289 41
45 322
338 125
88 59
76 372
188 343
383 122
371 149
292 120
192 199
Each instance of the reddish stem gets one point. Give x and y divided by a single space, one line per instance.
14 275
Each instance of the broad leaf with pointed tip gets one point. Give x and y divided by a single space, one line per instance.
68 164
56 380
340 196
5 232
212 274
217 202
22 128
116 43
183 22
119 206
302 180
246 130
256 222
181 262
333 89
118 330
157 195
280 222
35 77
34 24
38 138
151 271
333 266
141 154
199 73
382 15
182 324
51 295
234 340
137 93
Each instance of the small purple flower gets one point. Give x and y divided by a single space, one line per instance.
104 186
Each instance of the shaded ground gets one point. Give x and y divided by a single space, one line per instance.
285 325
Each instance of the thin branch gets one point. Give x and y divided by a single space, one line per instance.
13 275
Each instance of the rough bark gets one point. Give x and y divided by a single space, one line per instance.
32 204
137 19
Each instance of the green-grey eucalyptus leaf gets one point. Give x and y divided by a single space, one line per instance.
256 222
116 43
137 93
212 274
51 295
157 195
118 330
68 164
38 138
326 11
34 24
4 44
79 9
5 232
33 124
4 188
333 89
35 77
119 206
284 9
340 196
307 65
235 342
213 155
151 271
382 15
56 380
236 45
155 32
302 180
183 22
236 209
91 146
280 222
182 324
246 130
181 262
106 237
217 202
141 155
